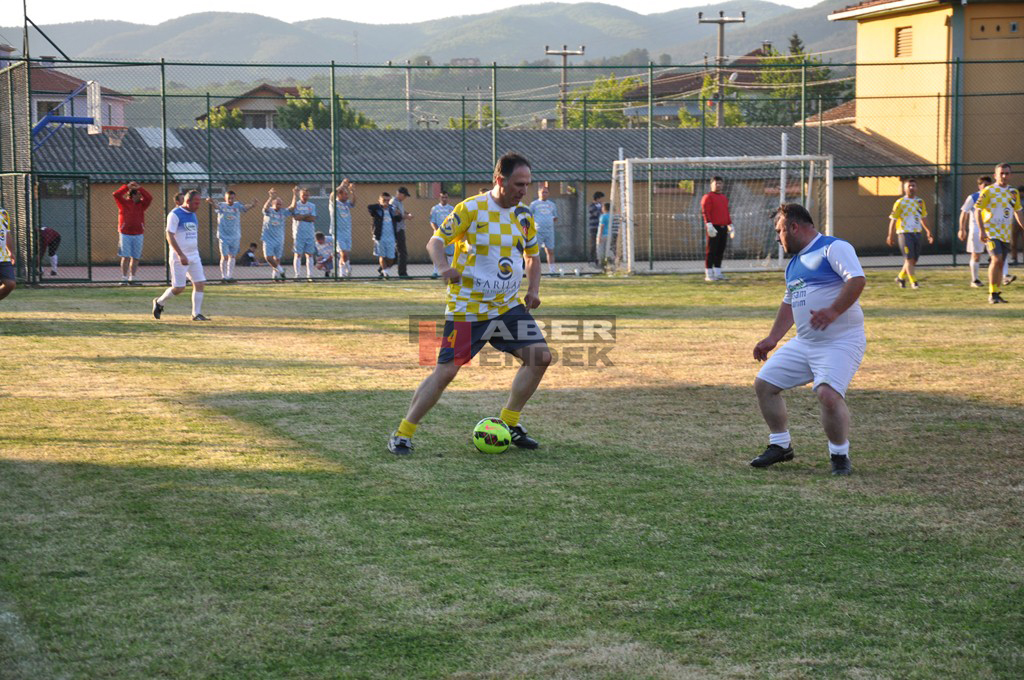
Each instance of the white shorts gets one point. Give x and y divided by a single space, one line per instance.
193 270
974 244
799 362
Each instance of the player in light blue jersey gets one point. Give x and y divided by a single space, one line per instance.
545 216
437 216
229 231
341 219
303 213
824 279
274 217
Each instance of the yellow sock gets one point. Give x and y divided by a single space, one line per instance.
510 418
912 279
406 429
992 288
902 274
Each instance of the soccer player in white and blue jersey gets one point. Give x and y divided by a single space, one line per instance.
341 218
438 214
824 279
229 231
274 217
183 238
970 232
545 215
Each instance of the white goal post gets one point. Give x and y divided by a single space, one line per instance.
657 225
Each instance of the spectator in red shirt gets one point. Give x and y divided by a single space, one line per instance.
132 201
714 210
49 241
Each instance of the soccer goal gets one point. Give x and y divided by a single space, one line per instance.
656 209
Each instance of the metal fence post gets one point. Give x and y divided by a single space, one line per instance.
209 170
163 159
332 208
494 112
955 143
462 140
650 168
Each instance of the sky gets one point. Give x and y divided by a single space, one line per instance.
403 11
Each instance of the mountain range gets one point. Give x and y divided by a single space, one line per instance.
506 36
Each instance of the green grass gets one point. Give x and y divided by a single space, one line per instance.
185 500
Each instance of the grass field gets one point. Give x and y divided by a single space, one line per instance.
190 500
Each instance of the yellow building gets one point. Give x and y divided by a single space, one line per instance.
943 79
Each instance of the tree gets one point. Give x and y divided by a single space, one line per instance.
733 116
778 103
482 119
306 111
606 101
222 118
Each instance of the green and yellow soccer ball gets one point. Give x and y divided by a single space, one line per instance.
491 435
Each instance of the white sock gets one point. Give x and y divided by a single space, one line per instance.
167 295
197 302
309 267
53 262
1006 267
974 270
717 271
131 277
231 268
839 449
708 272
780 439
295 264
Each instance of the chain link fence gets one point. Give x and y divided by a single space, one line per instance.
251 128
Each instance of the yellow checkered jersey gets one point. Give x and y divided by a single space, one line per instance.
5 229
491 245
997 205
908 213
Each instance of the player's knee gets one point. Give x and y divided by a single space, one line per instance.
8 284
178 290
829 398
199 286
539 356
764 388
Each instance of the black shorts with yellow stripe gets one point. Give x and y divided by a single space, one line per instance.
463 340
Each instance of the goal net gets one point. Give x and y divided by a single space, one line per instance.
656 218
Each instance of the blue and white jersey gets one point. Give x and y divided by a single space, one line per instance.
438 214
303 229
229 219
544 213
274 221
185 227
814 278
968 207
342 217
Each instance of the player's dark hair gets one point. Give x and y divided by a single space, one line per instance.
794 212
598 195
608 206
190 194
252 245
984 179
318 234
231 193
1001 166
508 163
383 194
717 178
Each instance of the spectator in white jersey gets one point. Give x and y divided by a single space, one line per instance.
970 233
341 219
545 215
183 238
438 214
229 231
824 279
303 213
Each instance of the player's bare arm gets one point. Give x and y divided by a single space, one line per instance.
435 248
927 231
981 225
532 297
964 220
890 237
171 241
848 294
783 322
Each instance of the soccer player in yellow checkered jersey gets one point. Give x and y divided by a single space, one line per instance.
907 221
8 277
996 208
495 243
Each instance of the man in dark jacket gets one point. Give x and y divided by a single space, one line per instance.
385 217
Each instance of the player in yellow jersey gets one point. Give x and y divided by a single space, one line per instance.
996 208
496 242
8 277
907 220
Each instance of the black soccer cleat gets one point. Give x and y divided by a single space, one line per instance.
400 446
521 439
976 283
1007 280
199 317
841 465
902 283
158 309
772 455
995 299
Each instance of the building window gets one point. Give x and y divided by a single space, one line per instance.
904 41
43 108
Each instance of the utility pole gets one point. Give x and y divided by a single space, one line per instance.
722 20
565 53
408 94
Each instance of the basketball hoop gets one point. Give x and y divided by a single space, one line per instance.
115 134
